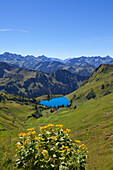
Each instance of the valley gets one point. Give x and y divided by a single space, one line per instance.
90 121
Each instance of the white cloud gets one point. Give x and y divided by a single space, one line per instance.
4 30
23 31
8 30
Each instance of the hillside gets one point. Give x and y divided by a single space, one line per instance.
21 81
91 121
99 84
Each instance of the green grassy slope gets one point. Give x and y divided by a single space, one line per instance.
91 122
100 82
12 121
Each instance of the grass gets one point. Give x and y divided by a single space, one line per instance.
91 123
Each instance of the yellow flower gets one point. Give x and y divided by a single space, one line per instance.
50 125
68 130
42 139
20 135
78 150
37 138
77 141
29 133
60 126
19 145
65 131
24 134
44 152
34 132
54 137
66 147
44 127
30 129
68 150
83 146
26 142
62 151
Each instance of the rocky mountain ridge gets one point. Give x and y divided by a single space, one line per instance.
31 83
45 64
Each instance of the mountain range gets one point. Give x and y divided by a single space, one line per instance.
31 83
81 65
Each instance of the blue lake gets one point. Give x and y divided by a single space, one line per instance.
58 101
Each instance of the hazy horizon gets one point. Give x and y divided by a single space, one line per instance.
24 55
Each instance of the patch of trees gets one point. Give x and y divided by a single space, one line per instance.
91 94
103 86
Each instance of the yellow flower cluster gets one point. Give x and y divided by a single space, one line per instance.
78 150
66 147
19 145
67 131
42 139
62 151
26 142
30 129
54 137
83 146
77 141
44 152
60 126
50 125
36 138
29 133
45 127
22 134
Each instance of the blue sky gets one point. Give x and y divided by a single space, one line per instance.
57 28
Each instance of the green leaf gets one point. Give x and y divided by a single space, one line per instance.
36 162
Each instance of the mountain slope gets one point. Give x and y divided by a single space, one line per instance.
21 81
92 119
92 123
99 84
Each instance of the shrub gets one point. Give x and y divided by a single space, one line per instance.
52 148
91 94
102 87
75 107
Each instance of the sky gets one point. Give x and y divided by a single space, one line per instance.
57 28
